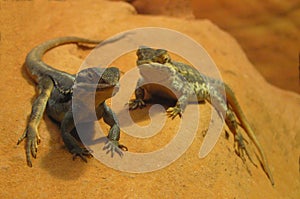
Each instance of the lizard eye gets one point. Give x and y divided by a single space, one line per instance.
90 76
165 59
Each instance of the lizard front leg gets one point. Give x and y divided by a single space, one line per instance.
67 125
45 87
114 133
178 108
139 92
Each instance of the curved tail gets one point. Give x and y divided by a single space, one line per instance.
36 67
245 125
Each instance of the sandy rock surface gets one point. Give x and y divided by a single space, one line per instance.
273 113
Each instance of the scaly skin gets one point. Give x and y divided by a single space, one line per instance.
186 81
55 90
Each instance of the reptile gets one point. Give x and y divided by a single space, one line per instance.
55 89
186 82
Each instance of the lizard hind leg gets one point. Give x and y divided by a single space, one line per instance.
45 86
239 141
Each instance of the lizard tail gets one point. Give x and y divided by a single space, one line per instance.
36 67
245 125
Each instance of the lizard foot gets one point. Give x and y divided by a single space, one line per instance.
174 111
241 149
81 152
137 103
114 147
32 142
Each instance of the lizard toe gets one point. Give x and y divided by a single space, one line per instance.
81 152
137 103
113 147
172 112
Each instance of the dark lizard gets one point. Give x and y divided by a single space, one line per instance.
55 89
187 82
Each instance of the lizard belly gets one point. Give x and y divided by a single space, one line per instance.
157 90
57 111
58 105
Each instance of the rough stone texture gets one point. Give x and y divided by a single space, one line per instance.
268 31
274 114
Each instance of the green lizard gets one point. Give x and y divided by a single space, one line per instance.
55 89
187 82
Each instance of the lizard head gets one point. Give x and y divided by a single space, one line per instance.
149 55
104 82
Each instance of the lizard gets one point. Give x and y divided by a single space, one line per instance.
55 89
186 81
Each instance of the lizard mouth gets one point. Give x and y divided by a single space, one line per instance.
101 87
141 62
116 89
93 87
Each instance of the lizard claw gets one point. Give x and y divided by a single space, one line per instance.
241 149
32 142
137 103
174 111
81 152
114 147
